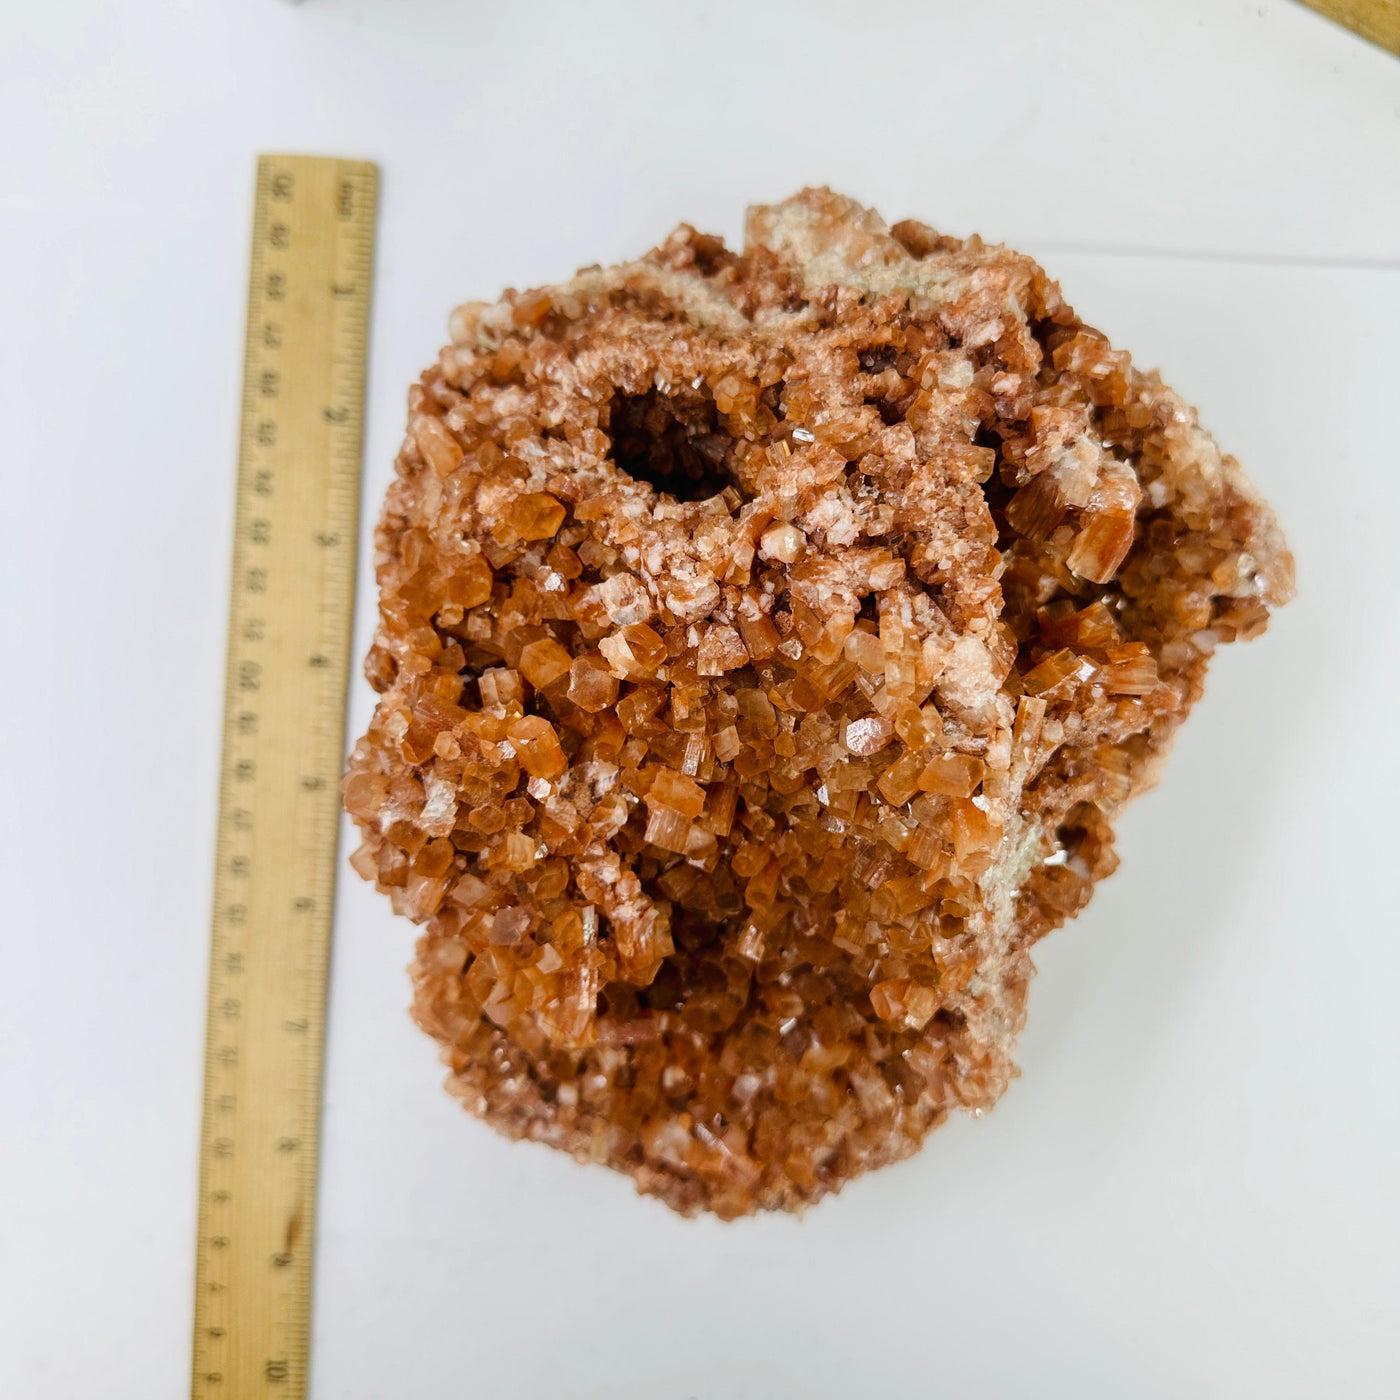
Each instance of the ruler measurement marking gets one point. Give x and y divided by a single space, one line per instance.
295 531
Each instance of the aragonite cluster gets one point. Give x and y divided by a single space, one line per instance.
767 643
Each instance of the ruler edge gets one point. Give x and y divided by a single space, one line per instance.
254 262
315 1084
1377 22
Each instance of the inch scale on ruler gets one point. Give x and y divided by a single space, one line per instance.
290 614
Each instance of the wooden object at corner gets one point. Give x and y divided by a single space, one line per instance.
1376 20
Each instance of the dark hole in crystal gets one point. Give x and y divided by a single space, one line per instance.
998 496
889 412
994 489
676 446
1071 838
878 359
692 971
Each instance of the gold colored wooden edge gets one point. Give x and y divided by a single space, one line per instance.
1376 20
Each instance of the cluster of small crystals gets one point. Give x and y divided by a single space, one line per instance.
767 640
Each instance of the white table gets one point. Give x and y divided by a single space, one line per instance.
1192 1189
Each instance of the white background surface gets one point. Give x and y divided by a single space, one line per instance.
1192 1191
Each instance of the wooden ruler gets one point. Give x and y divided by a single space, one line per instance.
1376 20
283 745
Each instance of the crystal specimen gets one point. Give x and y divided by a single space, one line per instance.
767 641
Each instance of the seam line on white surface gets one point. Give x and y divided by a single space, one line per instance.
1056 248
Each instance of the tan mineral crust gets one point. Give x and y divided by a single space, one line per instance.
767 642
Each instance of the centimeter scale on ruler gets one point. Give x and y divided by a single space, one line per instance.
292 600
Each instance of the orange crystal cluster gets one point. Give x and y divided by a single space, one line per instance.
767 641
